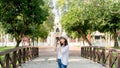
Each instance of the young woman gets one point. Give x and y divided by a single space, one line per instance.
62 52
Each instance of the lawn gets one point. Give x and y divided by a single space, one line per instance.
5 48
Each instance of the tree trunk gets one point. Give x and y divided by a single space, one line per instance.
84 36
18 42
18 39
115 39
33 40
83 42
87 40
37 40
43 41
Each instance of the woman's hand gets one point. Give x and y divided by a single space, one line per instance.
58 44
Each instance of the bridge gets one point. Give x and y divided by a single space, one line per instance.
45 57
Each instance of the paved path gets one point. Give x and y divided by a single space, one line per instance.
47 60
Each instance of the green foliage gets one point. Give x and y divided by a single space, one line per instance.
92 15
77 19
1 28
19 16
110 21
43 30
108 16
74 35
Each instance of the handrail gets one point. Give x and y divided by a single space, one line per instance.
13 58
109 57
10 50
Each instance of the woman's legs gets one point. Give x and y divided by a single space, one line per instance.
59 63
63 66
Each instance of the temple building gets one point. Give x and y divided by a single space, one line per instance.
56 33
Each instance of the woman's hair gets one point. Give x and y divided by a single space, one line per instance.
65 43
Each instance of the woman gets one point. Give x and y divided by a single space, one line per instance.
62 52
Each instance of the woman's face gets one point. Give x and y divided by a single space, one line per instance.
62 40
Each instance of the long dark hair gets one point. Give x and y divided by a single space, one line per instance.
65 43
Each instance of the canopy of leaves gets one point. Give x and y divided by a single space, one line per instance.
43 30
76 18
102 15
93 15
19 16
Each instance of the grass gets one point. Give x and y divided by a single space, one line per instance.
117 48
5 48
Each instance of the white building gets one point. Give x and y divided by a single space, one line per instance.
56 33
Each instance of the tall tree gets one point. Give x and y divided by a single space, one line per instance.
102 15
106 17
18 16
42 30
111 20
77 21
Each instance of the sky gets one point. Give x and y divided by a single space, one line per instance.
54 10
54 1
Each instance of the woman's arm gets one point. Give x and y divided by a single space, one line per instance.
65 49
57 45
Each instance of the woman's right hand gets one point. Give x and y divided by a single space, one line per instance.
58 44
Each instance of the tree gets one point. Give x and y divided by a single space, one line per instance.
115 21
42 30
111 20
77 22
106 17
102 15
19 16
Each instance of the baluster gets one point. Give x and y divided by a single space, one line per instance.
2 64
90 53
85 53
110 59
14 60
37 51
7 61
24 55
20 56
103 56
98 55
94 54
118 60
81 51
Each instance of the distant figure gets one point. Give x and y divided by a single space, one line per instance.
62 49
